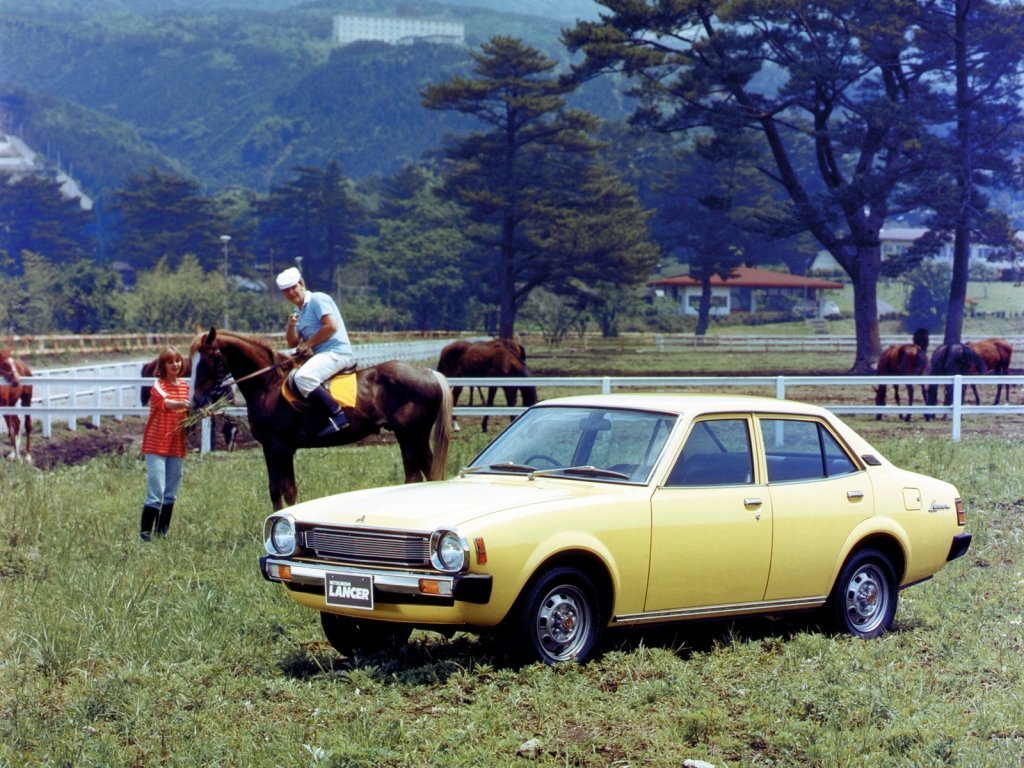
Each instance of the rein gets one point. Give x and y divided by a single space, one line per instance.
252 375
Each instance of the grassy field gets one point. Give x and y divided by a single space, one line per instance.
177 653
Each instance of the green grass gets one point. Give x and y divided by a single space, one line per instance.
118 653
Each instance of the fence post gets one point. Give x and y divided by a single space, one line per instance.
957 403
780 387
606 385
204 436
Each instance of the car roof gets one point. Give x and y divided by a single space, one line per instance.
688 403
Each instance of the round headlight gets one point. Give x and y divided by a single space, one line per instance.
449 551
280 536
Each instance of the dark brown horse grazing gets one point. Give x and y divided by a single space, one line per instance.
900 360
996 353
411 400
497 358
229 429
13 392
953 359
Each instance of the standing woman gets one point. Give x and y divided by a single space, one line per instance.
163 443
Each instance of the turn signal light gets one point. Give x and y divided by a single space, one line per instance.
961 515
481 550
430 587
280 572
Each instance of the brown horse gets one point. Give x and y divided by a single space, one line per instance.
901 360
411 400
229 429
996 353
497 358
953 359
13 392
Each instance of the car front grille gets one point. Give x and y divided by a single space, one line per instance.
368 547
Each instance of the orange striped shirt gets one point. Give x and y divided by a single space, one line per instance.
164 434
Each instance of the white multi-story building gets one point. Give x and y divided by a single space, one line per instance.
397 30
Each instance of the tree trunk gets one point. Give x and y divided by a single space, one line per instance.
964 184
704 308
865 308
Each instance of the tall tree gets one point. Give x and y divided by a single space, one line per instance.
842 75
711 210
414 262
165 216
516 178
982 46
314 217
36 216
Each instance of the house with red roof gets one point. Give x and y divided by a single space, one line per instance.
750 290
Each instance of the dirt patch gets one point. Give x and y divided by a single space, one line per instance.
75 446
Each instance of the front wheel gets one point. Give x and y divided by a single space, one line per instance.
561 617
863 602
347 635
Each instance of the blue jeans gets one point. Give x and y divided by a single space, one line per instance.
163 477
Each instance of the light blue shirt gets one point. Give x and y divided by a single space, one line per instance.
317 305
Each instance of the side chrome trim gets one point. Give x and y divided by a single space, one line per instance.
712 611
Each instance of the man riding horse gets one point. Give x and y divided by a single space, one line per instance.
317 327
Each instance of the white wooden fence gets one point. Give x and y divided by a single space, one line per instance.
112 390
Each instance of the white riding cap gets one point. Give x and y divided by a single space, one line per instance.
288 278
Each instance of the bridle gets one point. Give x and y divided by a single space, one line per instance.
224 378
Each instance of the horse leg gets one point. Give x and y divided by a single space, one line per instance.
12 432
281 476
910 401
456 391
492 392
879 399
511 395
28 438
416 455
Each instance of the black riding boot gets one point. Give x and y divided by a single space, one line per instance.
336 419
163 522
149 516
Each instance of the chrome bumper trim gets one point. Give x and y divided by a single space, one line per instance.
314 574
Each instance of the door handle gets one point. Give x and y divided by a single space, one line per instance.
855 495
752 502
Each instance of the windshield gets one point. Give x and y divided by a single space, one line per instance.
587 443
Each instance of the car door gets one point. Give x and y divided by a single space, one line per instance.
711 532
819 494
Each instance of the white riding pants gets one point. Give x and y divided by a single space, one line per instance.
318 369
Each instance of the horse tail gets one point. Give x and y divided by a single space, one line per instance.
441 435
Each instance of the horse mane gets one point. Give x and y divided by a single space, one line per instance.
258 347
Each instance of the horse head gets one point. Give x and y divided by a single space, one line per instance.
8 370
211 376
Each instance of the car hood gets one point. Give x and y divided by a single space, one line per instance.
426 506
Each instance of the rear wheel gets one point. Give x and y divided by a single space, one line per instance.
346 634
863 602
561 617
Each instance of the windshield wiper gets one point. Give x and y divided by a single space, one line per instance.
585 471
505 466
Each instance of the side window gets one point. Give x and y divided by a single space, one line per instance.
717 452
802 450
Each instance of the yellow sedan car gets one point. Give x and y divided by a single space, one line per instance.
604 511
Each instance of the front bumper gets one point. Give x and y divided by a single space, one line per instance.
392 587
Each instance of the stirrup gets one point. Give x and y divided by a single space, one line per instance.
332 426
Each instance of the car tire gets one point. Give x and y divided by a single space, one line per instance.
346 634
863 601
560 618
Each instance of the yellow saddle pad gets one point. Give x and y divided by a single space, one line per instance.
342 388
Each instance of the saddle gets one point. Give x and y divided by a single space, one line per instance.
341 385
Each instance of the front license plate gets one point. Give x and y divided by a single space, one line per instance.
349 590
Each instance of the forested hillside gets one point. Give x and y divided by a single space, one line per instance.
233 96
